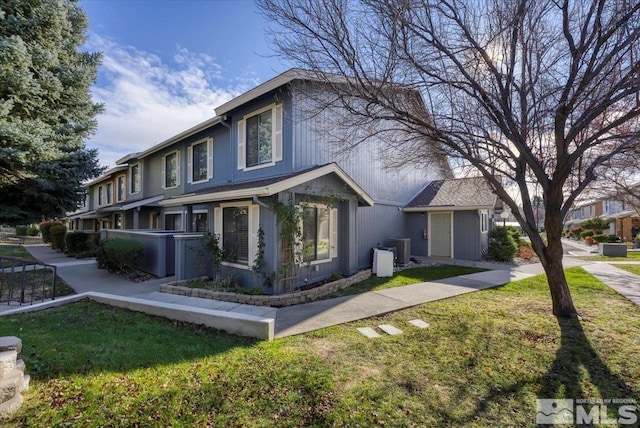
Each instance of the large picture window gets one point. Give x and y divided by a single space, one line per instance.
319 241
235 226
170 169
315 233
260 138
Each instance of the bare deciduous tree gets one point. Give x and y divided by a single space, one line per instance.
540 92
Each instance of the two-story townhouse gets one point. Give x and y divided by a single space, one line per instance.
228 175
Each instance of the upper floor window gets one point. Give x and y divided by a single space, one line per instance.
109 193
134 185
171 170
122 188
260 138
200 158
100 196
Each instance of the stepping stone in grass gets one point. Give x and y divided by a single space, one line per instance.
369 332
389 329
419 323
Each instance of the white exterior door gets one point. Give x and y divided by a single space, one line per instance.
440 235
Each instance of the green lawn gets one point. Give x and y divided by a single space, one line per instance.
631 255
483 361
406 277
630 268
15 251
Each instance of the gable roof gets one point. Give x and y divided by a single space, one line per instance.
267 187
457 194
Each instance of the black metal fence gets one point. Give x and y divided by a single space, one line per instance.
26 281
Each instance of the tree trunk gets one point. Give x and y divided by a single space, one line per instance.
551 259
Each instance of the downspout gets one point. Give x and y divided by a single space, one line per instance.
259 202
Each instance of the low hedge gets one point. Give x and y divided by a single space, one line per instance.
119 255
81 242
45 227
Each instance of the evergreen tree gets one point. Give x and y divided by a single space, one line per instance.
46 111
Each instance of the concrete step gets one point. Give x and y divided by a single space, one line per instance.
10 406
11 384
7 361
10 342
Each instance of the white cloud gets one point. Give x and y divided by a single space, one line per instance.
147 100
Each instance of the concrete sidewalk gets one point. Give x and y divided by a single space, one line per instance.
91 282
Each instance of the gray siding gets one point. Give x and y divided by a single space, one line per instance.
415 223
315 143
375 226
466 235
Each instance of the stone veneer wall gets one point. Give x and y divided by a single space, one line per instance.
288 299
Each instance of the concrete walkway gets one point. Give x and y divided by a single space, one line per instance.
266 322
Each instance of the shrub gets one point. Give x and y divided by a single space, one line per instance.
600 238
597 223
502 246
589 240
586 233
33 231
57 233
526 252
21 230
45 226
119 255
80 243
613 238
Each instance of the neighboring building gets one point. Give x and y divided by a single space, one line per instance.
623 221
451 218
224 175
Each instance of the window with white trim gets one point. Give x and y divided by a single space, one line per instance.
260 138
100 196
122 188
171 170
134 185
200 159
109 191
237 225
199 221
484 221
319 239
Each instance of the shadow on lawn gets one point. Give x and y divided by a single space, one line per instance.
576 364
90 338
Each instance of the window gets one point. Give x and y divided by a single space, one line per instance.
173 221
200 161
237 225
117 221
109 193
199 223
122 188
135 178
260 138
484 221
170 171
100 196
319 233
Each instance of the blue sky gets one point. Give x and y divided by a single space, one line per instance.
168 63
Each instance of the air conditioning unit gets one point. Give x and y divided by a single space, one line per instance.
404 249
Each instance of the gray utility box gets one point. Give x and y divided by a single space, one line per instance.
612 250
404 249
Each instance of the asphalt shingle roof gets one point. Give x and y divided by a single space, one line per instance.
456 193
